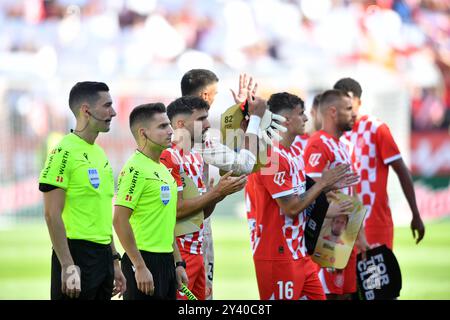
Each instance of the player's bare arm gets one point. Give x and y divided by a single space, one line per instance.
120 283
54 201
417 226
144 278
226 186
181 275
209 209
361 243
331 179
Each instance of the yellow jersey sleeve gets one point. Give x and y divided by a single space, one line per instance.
57 169
129 187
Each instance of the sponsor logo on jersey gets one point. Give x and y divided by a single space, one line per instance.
45 173
279 178
62 167
133 181
94 177
314 159
339 280
165 194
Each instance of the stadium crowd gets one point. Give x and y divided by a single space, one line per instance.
408 37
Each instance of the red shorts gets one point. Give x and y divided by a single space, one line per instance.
288 280
195 270
380 235
340 281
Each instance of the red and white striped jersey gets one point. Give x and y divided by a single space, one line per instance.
374 149
250 193
250 208
191 163
323 148
277 236
301 141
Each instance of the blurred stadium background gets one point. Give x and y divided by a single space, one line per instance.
399 50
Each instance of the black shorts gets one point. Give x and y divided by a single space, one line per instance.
162 268
97 271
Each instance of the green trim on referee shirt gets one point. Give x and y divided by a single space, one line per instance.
84 172
150 191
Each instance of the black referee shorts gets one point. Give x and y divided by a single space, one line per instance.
97 271
162 268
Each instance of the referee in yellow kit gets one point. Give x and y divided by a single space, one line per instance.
78 186
145 211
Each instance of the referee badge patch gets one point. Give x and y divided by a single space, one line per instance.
94 178
165 194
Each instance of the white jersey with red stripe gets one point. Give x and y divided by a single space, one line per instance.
323 148
277 236
191 163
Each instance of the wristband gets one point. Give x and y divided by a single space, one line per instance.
117 256
253 124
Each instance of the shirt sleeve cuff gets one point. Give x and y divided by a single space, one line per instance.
314 174
283 194
392 159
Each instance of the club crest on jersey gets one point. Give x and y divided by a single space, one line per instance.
339 280
279 178
165 194
314 159
94 178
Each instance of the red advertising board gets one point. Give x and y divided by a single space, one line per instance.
430 153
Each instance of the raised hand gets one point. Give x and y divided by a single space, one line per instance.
270 124
256 106
246 87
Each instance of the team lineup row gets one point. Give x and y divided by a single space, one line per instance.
165 197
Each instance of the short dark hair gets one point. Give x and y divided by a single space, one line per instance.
330 97
144 112
284 101
186 105
316 101
349 85
86 91
195 80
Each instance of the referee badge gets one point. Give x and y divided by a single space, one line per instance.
165 194
94 178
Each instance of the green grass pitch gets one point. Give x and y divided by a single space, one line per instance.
25 251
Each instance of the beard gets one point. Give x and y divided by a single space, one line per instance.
346 126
